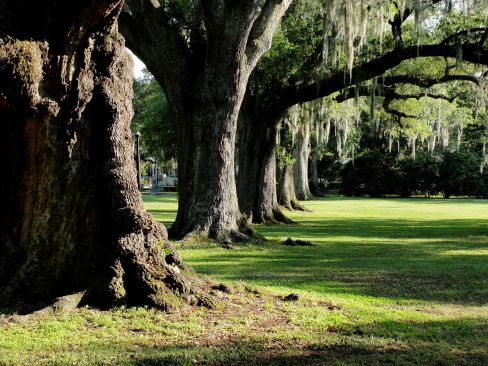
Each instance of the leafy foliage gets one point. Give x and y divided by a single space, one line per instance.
153 119
451 173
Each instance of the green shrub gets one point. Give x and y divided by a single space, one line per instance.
375 173
371 173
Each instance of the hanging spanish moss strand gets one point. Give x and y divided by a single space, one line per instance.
445 137
346 21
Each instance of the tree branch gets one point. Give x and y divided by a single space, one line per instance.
464 32
427 82
150 34
388 92
389 98
263 29
396 25
285 97
398 20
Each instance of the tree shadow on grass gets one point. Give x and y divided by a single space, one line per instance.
440 261
454 342
321 229
436 260
409 276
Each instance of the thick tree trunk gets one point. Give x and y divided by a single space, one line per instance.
248 168
206 175
204 73
301 153
71 216
256 180
267 208
286 189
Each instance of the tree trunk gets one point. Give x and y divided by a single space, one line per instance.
286 189
204 73
285 172
301 153
207 190
248 169
314 186
72 217
256 180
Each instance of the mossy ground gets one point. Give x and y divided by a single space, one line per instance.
388 281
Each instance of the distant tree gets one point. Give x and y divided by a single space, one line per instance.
153 118
460 174
371 173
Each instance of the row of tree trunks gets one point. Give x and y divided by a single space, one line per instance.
294 144
207 49
256 179
71 216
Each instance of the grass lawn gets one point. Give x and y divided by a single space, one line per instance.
387 281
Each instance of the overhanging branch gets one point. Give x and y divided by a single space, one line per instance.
464 32
391 97
150 34
428 82
294 94
388 92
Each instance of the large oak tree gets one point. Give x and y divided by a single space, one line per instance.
202 54
71 217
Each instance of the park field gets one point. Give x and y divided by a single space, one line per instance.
386 282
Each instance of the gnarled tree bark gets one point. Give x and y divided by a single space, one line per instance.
71 216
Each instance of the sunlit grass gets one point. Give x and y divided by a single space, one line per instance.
392 248
387 281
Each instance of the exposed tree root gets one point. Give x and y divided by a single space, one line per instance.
273 216
147 270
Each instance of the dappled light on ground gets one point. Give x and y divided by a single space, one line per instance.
397 249
387 281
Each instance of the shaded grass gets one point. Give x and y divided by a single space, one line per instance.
388 281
